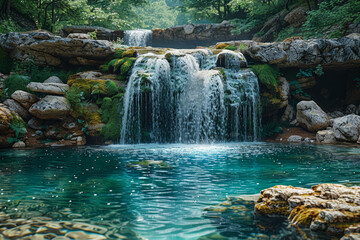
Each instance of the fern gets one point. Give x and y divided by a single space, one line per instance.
268 75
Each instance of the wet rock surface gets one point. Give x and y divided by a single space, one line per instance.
311 117
330 208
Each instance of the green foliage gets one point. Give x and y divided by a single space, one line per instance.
297 90
118 53
8 25
284 33
309 72
19 128
333 16
271 129
232 48
90 89
15 82
40 74
6 63
93 35
75 96
267 74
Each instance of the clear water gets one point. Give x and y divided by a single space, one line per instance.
105 184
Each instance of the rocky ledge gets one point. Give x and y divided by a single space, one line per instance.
330 208
48 50
308 53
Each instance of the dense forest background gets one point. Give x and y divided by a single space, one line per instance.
329 18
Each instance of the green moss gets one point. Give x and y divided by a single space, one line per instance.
129 54
268 75
231 47
111 115
6 63
243 46
74 95
127 65
91 87
222 45
118 53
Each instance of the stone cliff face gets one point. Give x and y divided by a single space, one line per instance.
342 52
49 50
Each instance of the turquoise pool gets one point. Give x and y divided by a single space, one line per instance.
159 192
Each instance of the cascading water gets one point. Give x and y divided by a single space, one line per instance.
191 96
138 38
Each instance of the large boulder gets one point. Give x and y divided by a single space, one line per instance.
347 128
24 98
296 17
309 53
311 117
53 79
16 107
101 33
48 50
49 88
51 107
325 136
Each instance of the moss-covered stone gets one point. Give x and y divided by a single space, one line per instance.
91 87
222 45
129 54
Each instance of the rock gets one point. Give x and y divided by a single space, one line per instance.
79 35
50 107
285 92
311 117
294 138
17 232
289 114
307 82
226 57
53 79
89 228
35 123
344 51
296 17
347 128
308 140
6 116
49 88
351 109
24 98
329 208
336 114
50 50
101 33
16 107
189 29
19 144
351 236
325 136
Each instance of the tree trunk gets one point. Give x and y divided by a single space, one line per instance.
5 9
309 5
52 15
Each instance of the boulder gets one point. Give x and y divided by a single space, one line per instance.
53 79
351 109
298 53
35 123
289 114
101 33
336 114
347 128
49 88
296 17
46 49
19 144
24 98
311 117
294 138
325 136
16 107
51 107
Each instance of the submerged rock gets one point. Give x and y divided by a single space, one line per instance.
311 117
330 208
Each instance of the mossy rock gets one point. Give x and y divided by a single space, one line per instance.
222 46
110 111
91 87
118 53
231 47
129 54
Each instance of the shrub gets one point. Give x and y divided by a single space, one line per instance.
19 128
15 82
270 129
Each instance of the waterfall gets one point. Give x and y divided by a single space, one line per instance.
138 38
191 96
